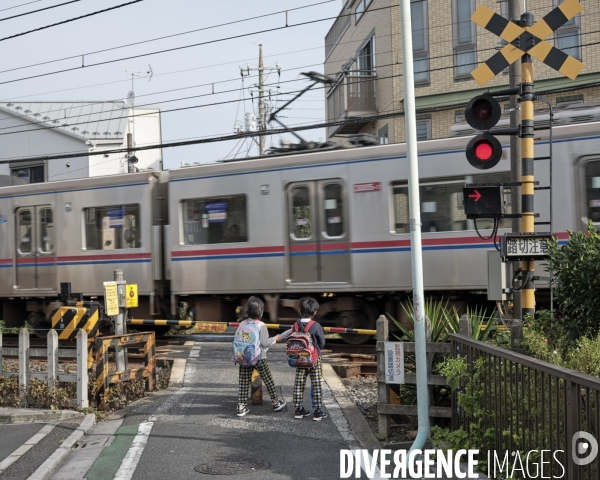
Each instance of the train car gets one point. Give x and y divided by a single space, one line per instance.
78 231
336 224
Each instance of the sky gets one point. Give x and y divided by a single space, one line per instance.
181 79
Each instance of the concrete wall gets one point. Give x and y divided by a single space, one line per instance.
36 141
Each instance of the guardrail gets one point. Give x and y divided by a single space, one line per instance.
52 375
529 404
104 377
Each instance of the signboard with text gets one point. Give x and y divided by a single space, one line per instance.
394 362
525 246
111 298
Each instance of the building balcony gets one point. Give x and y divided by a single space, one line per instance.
353 97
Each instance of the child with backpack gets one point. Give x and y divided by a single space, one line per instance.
250 346
304 344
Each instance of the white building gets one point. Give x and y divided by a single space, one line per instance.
32 129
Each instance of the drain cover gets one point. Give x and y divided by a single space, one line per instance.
227 467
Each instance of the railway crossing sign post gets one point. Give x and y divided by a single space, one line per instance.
527 41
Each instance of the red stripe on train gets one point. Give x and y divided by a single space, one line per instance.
229 251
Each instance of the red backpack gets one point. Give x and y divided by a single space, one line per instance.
300 352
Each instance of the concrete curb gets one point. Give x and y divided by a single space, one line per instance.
52 462
363 433
27 415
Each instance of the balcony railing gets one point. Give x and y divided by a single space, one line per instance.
354 96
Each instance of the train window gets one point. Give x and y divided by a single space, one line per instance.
334 210
111 228
442 205
592 189
301 213
46 232
215 220
25 232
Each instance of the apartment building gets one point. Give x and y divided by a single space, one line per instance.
363 50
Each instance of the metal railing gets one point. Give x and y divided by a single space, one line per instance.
527 404
336 31
355 95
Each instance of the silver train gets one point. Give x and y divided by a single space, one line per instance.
334 224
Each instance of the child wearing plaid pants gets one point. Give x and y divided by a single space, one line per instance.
253 311
308 309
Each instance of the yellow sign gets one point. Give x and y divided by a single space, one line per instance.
210 327
111 298
131 296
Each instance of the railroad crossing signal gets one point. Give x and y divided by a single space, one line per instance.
484 150
527 40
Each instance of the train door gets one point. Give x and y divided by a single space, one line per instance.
35 259
318 249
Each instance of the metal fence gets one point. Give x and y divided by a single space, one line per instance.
526 404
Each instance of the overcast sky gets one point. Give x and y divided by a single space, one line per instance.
296 49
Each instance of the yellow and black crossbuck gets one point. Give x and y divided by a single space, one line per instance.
528 40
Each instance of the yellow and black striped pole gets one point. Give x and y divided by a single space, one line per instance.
527 151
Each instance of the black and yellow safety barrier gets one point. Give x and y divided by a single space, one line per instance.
67 321
104 378
221 327
527 39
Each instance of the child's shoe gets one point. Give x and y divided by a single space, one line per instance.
242 410
278 405
301 413
319 415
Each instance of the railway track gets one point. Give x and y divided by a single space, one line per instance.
350 360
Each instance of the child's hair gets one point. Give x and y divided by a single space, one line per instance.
253 309
308 307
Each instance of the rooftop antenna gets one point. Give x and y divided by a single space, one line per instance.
131 158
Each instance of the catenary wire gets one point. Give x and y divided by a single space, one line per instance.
70 20
40 10
233 90
21 5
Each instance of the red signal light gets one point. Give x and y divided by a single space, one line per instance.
484 151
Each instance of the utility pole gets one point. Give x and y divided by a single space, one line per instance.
415 228
262 115
514 79
262 107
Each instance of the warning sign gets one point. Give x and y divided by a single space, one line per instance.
111 298
131 296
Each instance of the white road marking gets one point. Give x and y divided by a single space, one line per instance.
129 463
13 457
195 352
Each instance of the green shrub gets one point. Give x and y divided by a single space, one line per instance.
575 270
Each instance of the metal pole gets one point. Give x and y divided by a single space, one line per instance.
514 79
527 188
415 226
261 102
120 328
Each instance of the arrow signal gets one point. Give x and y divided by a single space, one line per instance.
475 195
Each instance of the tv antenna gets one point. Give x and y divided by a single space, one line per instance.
130 102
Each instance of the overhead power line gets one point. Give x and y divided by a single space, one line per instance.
162 38
183 47
70 20
36 11
21 5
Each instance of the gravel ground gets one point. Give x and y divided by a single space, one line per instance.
363 390
38 366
